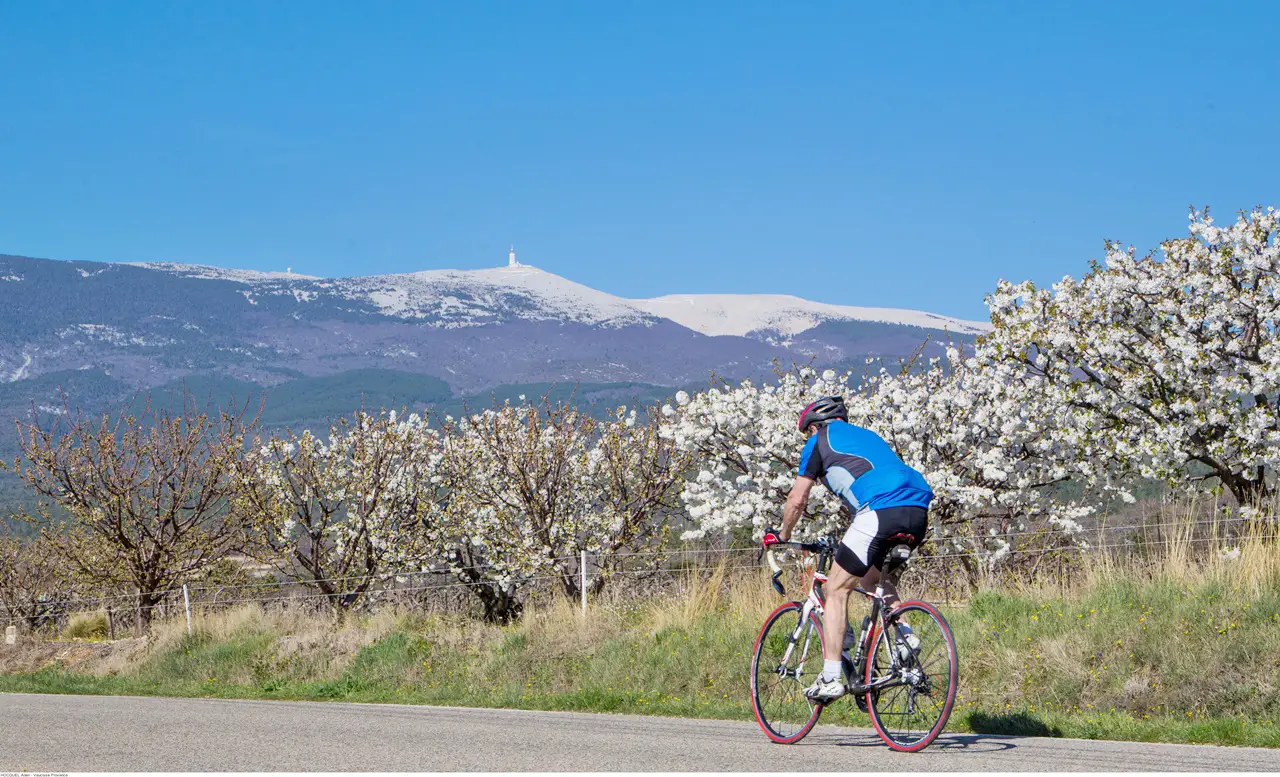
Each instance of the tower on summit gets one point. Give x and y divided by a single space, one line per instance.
511 258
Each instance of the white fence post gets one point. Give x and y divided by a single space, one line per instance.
11 635
186 602
582 573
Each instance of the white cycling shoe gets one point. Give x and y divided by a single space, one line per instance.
825 691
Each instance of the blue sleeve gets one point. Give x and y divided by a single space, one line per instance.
810 461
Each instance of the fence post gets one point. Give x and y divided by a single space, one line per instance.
137 616
186 602
582 584
11 635
111 623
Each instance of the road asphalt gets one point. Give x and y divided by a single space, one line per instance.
49 733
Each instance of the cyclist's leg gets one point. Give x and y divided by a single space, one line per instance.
873 577
851 565
835 619
830 683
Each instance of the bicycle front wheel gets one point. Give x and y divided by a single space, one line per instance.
920 678
788 657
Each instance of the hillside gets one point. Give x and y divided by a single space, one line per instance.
150 324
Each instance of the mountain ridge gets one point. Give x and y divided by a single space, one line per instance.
724 314
147 324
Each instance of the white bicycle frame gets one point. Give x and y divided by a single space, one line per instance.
811 605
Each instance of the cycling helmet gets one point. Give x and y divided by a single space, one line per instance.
824 409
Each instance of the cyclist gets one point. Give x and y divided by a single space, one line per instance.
887 498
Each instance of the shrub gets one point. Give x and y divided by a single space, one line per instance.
86 625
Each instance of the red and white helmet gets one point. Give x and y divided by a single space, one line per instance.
825 409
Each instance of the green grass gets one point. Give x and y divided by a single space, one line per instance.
1157 661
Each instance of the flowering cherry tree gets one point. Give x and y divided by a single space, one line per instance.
343 514
988 451
1165 366
535 485
513 512
629 487
984 451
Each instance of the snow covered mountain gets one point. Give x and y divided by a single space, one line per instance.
92 336
744 314
477 297
144 325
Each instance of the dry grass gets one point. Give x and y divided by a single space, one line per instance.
701 593
1193 543
562 630
86 626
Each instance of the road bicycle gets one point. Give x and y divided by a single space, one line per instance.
905 679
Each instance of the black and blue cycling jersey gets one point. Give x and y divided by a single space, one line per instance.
861 468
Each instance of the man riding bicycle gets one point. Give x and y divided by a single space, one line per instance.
888 500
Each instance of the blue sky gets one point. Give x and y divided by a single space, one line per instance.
899 154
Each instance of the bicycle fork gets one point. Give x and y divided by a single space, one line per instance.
812 604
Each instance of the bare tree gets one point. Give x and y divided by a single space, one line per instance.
147 495
35 586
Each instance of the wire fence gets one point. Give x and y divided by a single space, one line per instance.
638 573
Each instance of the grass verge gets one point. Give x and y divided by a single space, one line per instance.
1167 656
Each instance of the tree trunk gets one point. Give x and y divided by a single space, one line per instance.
973 573
500 607
1247 492
147 601
569 582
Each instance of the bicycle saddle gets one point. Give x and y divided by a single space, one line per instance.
897 555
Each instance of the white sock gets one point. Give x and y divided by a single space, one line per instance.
830 670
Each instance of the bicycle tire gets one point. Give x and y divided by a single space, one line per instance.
939 665
784 713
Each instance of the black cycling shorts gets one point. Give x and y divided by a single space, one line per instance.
865 543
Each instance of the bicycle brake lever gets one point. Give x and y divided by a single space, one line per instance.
765 543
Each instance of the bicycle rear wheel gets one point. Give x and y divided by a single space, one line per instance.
910 713
788 657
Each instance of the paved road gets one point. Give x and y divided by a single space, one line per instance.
113 733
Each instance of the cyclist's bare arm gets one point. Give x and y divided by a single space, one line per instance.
795 506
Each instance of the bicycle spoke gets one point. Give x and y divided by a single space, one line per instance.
910 715
781 706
